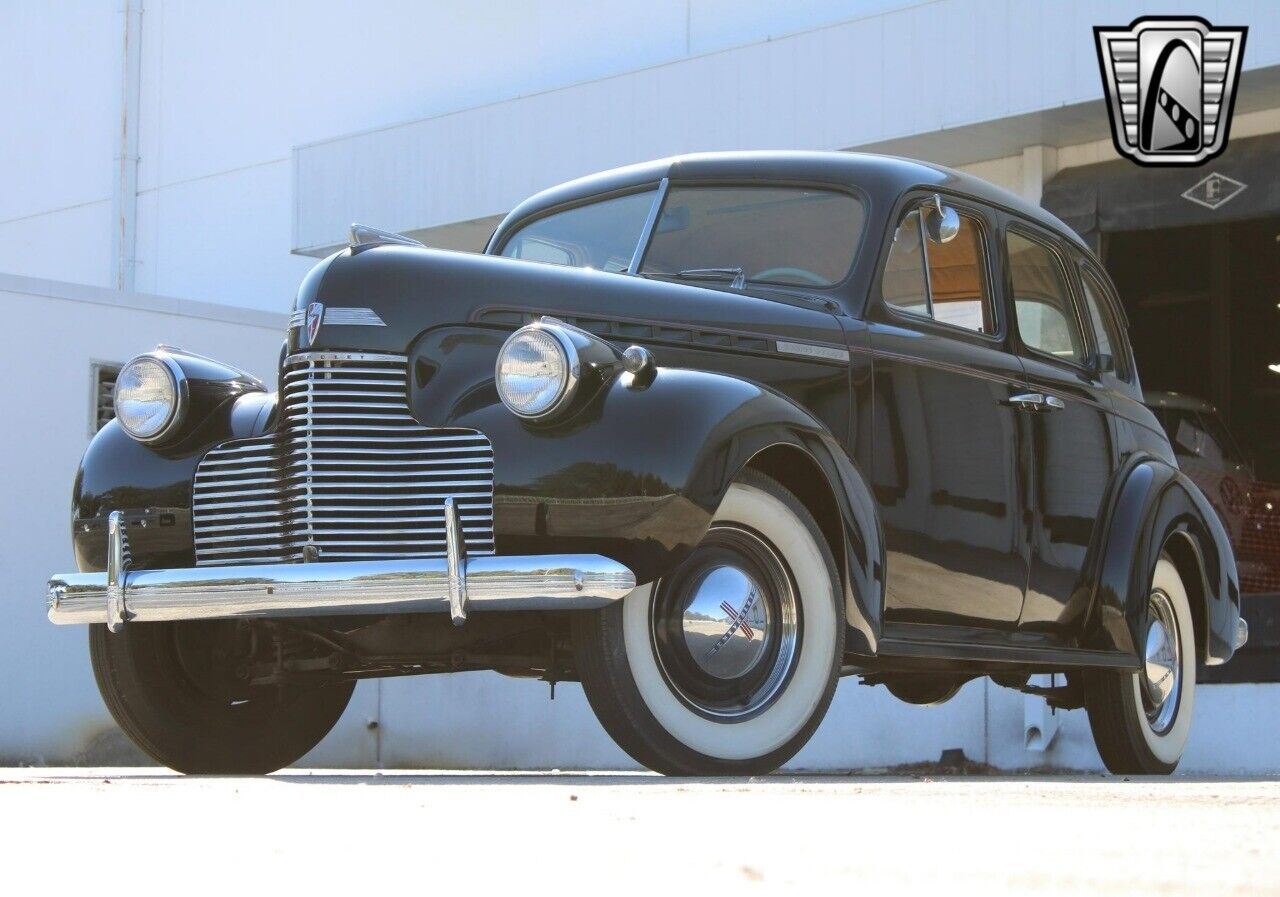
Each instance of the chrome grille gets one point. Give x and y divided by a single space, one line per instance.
348 472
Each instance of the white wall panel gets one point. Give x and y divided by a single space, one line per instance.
69 244
223 238
49 708
59 69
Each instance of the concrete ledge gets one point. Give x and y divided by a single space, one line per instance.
186 308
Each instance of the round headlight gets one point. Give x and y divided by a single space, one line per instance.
537 371
148 397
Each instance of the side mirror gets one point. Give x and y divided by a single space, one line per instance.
1104 363
941 223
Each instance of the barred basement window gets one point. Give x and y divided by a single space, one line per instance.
104 390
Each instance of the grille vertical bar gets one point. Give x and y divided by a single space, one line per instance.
348 472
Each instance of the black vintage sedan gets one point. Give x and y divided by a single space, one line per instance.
703 434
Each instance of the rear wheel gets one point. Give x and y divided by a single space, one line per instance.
1141 721
728 664
174 690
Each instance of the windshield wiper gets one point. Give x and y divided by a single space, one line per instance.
736 275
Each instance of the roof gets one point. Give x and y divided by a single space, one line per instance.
882 177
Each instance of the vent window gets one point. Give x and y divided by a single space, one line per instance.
104 391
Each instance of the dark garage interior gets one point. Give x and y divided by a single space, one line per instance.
1204 312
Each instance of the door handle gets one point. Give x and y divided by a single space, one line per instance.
1035 401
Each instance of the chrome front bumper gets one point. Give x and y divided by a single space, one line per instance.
453 584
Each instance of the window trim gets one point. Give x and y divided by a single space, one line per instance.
847 189
1123 358
1047 241
982 216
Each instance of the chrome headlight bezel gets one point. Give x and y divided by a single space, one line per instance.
569 380
181 396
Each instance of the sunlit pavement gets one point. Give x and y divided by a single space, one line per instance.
144 830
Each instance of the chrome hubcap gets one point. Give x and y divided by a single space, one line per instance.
725 625
1162 663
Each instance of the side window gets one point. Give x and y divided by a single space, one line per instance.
944 281
1042 301
1104 327
903 283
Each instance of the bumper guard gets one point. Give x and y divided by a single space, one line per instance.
454 584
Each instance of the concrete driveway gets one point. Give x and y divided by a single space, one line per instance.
532 833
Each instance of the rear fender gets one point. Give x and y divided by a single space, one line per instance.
1156 509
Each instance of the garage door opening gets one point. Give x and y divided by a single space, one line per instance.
1204 311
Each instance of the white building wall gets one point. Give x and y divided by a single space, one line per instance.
228 89
954 81
532 92
54 331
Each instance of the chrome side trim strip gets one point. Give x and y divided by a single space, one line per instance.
829 353
352 317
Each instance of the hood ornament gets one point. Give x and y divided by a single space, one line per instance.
365 237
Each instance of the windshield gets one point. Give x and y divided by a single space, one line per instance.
794 236
785 235
602 235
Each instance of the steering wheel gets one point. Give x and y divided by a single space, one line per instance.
802 274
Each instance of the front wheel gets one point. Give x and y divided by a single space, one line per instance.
174 690
1141 721
728 664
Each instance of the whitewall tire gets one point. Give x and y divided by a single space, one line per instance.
728 663
1141 720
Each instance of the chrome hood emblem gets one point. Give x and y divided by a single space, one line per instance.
315 317
316 314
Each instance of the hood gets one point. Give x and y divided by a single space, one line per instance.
384 298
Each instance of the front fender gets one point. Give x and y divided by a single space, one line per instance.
152 484
1157 508
636 473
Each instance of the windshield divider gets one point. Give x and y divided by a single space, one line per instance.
650 224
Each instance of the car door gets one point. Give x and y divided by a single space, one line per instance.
1067 409
947 459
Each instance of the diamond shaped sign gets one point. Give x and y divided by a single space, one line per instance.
1214 191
